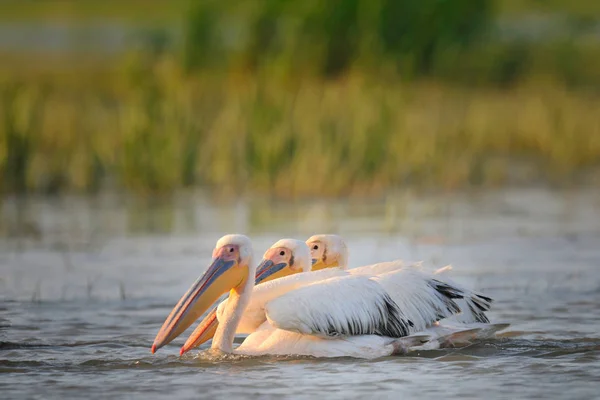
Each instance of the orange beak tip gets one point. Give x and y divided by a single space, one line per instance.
153 349
182 351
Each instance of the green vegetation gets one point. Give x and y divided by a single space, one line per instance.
309 137
309 98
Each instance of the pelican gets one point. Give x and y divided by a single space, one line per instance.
284 265
338 256
267 271
324 313
329 251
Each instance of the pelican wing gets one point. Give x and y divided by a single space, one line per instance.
254 315
473 305
419 283
425 299
339 306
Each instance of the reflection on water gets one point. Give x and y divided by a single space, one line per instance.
105 37
113 37
85 283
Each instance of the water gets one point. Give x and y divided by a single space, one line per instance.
85 284
111 37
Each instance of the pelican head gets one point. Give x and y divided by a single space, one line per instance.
327 251
230 268
286 257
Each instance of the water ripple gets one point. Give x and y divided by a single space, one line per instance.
87 331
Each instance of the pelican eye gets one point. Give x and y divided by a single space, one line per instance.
231 249
316 247
282 253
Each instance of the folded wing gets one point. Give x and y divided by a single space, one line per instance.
254 315
426 298
340 306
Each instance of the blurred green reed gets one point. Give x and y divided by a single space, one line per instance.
347 97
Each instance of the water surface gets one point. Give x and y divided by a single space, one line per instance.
85 284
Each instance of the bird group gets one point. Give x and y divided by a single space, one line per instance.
301 299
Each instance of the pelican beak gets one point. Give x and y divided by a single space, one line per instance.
267 270
203 332
318 264
221 276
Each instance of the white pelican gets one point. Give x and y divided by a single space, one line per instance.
332 254
267 271
329 251
307 314
284 265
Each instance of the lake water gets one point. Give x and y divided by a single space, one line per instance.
112 36
85 284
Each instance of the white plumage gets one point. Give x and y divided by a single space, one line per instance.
471 322
332 251
269 341
342 316
367 312
340 306
408 285
254 315
338 291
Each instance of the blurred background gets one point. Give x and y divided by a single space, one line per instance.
312 98
428 121
134 133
